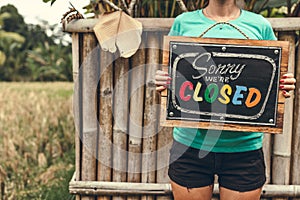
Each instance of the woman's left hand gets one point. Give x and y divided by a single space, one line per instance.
287 83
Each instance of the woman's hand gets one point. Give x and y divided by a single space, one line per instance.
162 80
287 83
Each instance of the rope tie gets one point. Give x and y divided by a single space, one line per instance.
227 23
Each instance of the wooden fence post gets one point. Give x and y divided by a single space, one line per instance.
136 95
282 142
76 61
120 125
104 158
295 172
89 110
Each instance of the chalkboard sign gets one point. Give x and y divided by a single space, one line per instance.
224 81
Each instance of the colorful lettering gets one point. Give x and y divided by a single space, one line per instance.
183 88
225 91
197 91
214 89
252 92
236 100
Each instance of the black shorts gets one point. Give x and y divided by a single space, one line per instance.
193 168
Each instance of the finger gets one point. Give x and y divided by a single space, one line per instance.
286 94
288 81
158 83
162 78
162 73
287 87
288 75
160 88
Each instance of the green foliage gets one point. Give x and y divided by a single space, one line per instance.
27 58
262 5
171 8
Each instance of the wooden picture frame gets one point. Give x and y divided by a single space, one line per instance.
219 84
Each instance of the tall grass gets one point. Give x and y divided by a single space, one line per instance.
36 140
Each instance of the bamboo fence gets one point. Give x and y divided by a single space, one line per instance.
121 151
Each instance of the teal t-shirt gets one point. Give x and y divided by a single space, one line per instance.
193 24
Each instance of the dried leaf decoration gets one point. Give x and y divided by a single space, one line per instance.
118 31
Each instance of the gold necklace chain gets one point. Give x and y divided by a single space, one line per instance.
220 19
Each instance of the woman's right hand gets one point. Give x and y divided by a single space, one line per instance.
162 80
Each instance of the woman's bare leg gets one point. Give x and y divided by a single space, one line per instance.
184 193
227 194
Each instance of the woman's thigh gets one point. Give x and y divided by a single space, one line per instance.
184 193
227 194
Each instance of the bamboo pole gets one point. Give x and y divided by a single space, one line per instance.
89 113
295 174
76 114
120 125
76 57
121 188
282 142
163 134
131 7
105 119
150 113
267 149
164 143
111 4
137 82
164 24
182 5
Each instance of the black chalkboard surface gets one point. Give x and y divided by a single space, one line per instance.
223 82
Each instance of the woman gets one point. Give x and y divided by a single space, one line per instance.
236 157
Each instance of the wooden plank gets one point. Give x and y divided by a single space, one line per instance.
150 113
226 126
295 166
164 24
267 149
164 143
75 55
105 119
76 106
89 111
136 95
120 124
220 126
282 143
115 188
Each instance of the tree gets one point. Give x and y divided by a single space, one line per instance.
171 8
19 51
9 42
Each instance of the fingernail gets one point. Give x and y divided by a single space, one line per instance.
284 92
169 79
281 86
281 81
168 82
284 76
